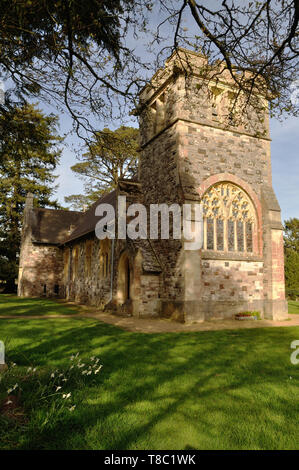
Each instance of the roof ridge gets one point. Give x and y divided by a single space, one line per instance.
57 210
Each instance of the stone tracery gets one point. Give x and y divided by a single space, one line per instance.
229 219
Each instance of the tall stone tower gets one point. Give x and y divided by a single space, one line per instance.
196 146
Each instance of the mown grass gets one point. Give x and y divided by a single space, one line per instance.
199 390
293 306
13 305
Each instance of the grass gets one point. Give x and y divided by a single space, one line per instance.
13 305
293 306
230 389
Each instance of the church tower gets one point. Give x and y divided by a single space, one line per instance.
199 145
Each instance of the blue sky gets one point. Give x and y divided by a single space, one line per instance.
285 165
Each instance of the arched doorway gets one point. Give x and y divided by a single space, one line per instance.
124 280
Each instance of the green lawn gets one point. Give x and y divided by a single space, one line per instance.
203 390
13 305
293 306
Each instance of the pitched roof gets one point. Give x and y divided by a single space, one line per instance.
88 220
52 225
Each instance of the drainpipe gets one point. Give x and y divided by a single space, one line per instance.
111 271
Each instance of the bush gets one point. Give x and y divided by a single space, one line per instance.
292 294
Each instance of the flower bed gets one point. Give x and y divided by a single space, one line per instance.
247 316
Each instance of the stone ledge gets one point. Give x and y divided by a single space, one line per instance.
227 256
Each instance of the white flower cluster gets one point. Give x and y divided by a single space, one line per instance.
93 368
59 379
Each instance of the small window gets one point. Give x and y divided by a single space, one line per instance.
45 288
56 289
88 256
104 258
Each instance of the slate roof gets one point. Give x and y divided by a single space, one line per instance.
52 225
88 219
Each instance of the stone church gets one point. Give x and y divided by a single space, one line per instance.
188 154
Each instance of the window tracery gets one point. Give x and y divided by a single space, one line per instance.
229 219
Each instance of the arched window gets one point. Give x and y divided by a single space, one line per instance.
229 219
104 259
124 281
88 256
75 254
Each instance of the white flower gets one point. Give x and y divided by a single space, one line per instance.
72 408
8 402
52 375
12 389
29 369
81 365
66 395
58 388
98 370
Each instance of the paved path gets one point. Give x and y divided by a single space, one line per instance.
160 325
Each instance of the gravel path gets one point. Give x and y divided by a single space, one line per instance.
159 325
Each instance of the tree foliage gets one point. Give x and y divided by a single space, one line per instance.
28 156
257 42
71 51
84 54
112 156
291 245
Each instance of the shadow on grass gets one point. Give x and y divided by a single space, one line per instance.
221 389
293 306
13 305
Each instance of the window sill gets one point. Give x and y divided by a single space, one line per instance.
230 256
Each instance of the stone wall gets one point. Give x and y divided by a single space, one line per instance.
158 173
206 151
87 272
40 264
145 286
239 281
40 271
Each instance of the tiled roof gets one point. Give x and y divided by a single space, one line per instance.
52 225
88 220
